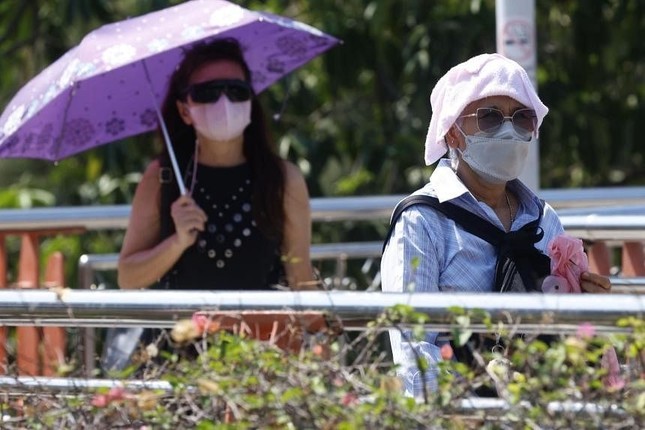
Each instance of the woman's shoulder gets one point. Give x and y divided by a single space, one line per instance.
150 181
291 171
154 173
293 176
295 187
153 167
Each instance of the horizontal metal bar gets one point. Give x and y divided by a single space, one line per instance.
631 209
98 262
605 227
593 197
346 250
116 216
349 325
27 384
323 209
321 251
167 305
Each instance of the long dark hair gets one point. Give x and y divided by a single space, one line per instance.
266 167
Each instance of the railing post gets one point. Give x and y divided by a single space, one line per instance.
633 259
27 338
599 260
88 348
54 338
3 284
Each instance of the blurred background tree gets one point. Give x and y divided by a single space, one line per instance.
355 119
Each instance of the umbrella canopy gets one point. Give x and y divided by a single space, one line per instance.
111 85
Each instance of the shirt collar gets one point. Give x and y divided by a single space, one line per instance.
445 182
446 185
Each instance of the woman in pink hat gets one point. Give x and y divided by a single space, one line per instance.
474 227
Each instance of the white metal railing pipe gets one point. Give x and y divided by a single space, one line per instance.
589 226
377 207
593 197
605 227
88 264
29 384
91 263
116 216
632 209
162 307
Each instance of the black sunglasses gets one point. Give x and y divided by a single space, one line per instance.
490 119
236 90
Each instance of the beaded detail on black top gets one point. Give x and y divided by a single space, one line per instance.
231 253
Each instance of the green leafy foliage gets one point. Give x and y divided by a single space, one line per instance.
354 120
237 382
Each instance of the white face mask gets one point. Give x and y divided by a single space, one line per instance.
223 120
498 158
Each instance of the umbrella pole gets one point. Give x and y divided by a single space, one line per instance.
164 131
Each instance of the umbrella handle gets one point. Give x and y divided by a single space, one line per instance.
164 132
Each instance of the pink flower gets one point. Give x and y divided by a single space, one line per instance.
318 350
446 352
349 399
586 331
115 394
100 400
613 381
204 324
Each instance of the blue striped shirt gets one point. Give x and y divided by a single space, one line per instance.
428 252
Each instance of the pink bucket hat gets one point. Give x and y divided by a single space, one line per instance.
482 76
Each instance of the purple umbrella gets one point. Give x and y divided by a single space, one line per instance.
111 85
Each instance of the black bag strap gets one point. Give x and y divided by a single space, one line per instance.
518 245
470 222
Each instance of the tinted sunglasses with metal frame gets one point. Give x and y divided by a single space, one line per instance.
236 90
489 120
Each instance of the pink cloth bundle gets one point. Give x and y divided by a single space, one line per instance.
481 76
568 261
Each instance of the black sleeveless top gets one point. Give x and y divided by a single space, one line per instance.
231 253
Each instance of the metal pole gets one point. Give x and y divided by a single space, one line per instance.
515 23
40 307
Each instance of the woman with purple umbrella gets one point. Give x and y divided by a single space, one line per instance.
245 221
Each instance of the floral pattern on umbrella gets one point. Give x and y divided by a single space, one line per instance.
98 91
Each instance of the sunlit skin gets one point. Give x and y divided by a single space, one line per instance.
144 260
494 195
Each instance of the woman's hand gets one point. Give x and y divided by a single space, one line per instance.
594 283
189 220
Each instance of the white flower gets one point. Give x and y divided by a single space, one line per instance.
157 45
118 54
68 74
226 16
192 32
51 92
290 23
14 120
74 70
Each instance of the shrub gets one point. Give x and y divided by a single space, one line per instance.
240 383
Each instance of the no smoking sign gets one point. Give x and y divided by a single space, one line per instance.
518 43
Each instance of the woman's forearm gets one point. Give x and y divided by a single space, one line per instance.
144 268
